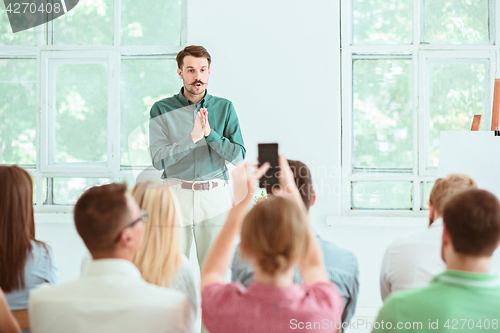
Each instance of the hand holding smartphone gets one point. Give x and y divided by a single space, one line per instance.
268 152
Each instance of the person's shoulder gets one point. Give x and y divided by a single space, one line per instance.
219 101
48 292
325 295
167 104
338 257
222 292
217 296
151 290
412 297
424 242
41 251
414 240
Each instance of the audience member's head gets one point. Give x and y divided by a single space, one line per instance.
17 225
109 221
274 235
444 189
472 224
303 180
159 258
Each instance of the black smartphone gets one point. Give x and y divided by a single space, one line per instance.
268 152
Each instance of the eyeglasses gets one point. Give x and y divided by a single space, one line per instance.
142 218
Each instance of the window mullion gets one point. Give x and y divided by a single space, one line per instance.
50 192
493 26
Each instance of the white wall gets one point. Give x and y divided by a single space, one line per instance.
279 62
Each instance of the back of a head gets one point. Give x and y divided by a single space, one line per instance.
159 258
303 179
445 188
472 219
17 225
275 234
100 213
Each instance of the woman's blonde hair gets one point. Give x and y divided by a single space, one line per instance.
159 258
275 233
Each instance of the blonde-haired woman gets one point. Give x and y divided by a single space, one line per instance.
160 259
276 238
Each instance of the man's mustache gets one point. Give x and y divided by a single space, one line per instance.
195 82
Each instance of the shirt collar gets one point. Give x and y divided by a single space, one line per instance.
482 280
112 266
186 101
437 223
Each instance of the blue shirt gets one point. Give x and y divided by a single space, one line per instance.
341 266
172 149
39 268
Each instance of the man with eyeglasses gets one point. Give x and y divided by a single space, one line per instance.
111 295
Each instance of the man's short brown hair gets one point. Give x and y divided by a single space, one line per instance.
303 180
100 213
195 51
472 219
445 188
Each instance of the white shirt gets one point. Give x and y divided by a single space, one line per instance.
413 260
111 296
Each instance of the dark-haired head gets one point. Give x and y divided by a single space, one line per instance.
103 214
472 219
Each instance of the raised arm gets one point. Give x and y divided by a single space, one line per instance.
221 253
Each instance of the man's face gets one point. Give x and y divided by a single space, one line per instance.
194 74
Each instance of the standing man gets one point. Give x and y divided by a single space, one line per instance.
193 135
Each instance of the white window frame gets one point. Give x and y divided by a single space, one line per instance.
417 52
46 54
47 138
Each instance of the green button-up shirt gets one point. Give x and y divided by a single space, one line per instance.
172 150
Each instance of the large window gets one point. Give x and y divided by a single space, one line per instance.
410 69
75 93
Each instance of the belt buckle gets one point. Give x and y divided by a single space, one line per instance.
193 184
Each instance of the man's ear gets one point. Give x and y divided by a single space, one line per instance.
126 238
209 69
179 72
314 198
432 210
446 238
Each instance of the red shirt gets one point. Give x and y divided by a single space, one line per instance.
231 308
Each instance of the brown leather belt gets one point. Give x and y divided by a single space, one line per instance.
195 186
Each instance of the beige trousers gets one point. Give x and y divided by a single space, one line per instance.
203 215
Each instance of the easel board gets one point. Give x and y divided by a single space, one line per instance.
476 154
